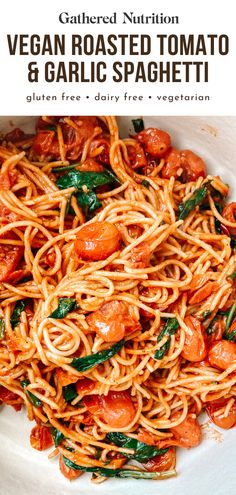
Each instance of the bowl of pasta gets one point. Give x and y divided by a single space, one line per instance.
117 304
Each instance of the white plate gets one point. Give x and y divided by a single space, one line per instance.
209 468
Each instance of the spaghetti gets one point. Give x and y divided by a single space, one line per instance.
117 287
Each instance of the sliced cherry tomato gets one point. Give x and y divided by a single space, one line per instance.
198 281
75 139
43 142
172 164
17 135
162 462
193 166
117 460
86 125
9 398
188 433
112 321
93 404
46 142
65 378
96 241
140 255
10 256
137 156
229 213
116 409
69 473
222 354
155 141
17 275
7 216
146 437
84 386
221 420
90 165
41 437
195 345
204 292
103 146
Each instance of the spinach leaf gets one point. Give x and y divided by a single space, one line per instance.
69 209
89 202
56 435
145 183
196 199
220 229
69 392
51 127
233 243
219 208
91 180
233 275
65 305
32 398
160 353
218 226
15 317
63 169
210 329
138 125
87 362
120 473
2 328
169 328
143 452
206 314
98 453
230 336
230 317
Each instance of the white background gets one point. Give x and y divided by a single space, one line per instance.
29 17
204 470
